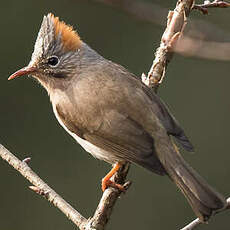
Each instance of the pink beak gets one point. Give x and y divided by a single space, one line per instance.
24 71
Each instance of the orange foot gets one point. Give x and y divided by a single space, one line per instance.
106 182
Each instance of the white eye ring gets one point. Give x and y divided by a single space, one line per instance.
53 61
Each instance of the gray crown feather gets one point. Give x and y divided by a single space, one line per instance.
54 37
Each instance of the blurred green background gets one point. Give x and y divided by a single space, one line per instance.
196 90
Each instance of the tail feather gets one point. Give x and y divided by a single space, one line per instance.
204 200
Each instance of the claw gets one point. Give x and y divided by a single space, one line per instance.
109 183
106 182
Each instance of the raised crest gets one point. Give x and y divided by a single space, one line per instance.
69 37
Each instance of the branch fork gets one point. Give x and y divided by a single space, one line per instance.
176 23
208 4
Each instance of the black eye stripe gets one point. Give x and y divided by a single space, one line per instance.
59 75
53 61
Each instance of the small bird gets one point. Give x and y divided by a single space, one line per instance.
112 114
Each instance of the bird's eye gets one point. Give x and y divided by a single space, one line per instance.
53 61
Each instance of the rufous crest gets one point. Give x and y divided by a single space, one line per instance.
69 37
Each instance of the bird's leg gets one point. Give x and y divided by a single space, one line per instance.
106 182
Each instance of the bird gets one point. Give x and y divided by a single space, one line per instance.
112 114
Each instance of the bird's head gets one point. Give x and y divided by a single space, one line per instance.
56 52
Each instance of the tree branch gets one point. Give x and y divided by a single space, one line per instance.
104 209
197 221
108 200
207 4
176 23
42 188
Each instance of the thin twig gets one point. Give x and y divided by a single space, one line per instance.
108 200
192 225
197 221
207 4
45 190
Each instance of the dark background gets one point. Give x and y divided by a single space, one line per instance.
196 90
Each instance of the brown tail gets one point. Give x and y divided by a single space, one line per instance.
203 199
